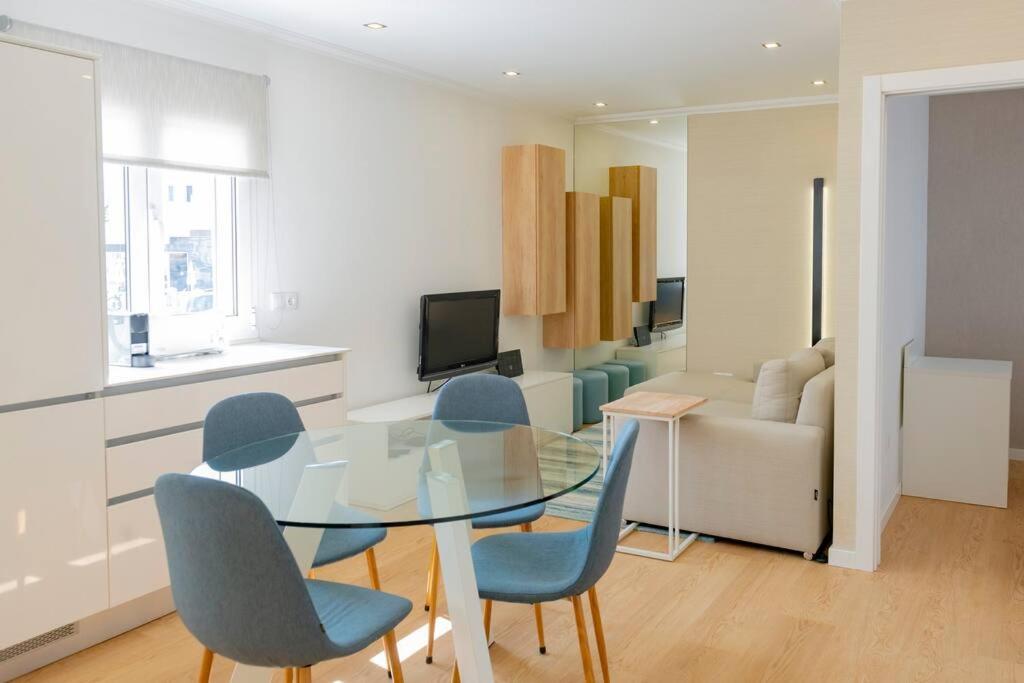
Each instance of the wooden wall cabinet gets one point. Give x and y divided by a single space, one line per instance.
616 268
533 230
640 183
580 325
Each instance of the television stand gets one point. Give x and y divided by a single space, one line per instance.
661 357
548 399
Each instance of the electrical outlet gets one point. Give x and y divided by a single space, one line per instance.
284 301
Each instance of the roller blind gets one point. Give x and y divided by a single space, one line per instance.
164 111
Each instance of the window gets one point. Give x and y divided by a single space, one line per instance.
178 243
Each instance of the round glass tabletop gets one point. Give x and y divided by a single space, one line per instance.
380 474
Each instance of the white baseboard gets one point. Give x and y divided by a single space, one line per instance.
893 500
1017 454
846 559
92 630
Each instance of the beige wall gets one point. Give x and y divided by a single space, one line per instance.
749 233
886 36
976 233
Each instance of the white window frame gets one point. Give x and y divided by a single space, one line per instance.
240 325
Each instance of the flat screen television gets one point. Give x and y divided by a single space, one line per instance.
458 333
666 311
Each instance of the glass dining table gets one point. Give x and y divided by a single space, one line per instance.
391 474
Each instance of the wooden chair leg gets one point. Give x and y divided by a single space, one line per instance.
537 614
488 605
371 566
602 652
288 675
391 647
205 665
455 674
304 675
430 575
581 632
539 618
435 573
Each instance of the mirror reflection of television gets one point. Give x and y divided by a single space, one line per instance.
458 333
666 311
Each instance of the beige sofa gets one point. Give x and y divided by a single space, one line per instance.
766 481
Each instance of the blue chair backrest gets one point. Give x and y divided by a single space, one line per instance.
483 397
235 582
604 529
247 419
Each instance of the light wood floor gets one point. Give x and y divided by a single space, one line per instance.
947 604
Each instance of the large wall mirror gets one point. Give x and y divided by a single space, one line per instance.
660 146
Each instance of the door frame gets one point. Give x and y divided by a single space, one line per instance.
867 552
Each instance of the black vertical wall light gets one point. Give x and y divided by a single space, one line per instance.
817 228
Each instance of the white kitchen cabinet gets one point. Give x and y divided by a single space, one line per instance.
53 539
154 429
956 430
52 342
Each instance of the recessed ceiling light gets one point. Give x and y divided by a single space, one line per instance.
653 122
511 74
818 82
771 45
600 105
375 25
87 77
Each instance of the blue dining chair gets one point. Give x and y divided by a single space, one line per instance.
239 592
541 567
249 420
483 398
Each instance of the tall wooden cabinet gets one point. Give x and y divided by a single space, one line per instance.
640 184
580 325
616 268
533 230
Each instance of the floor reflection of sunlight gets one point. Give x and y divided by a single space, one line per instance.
414 642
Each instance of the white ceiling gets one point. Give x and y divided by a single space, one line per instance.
635 55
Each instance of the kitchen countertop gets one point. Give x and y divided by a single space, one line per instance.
236 357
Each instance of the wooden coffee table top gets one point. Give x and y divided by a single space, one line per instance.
652 404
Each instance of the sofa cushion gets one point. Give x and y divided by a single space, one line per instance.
720 408
705 384
827 348
781 383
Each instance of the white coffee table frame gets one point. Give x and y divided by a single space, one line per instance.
676 543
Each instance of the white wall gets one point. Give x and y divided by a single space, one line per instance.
905 262
386 187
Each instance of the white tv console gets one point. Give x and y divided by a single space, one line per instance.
548 399
661 357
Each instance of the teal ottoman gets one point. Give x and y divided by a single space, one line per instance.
618 379
577 404
637 370
595 394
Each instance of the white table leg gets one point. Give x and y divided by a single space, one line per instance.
321 486
448 497
674 546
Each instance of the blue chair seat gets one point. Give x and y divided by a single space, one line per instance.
500 520
529 568
354 617
341 544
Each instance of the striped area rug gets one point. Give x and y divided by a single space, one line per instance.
579 504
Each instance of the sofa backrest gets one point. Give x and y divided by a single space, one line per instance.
817 403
